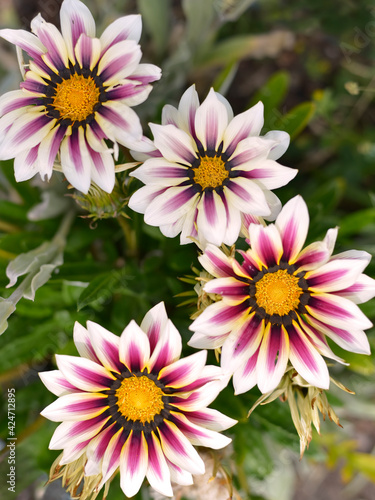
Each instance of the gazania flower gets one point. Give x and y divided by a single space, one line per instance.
77 93
205 169
282 302
130 403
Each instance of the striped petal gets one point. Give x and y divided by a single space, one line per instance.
124 28
337 311
220 317
250 153
293 224
57 383
167 350
266 244
211 221
75 160
178 449
16 99
112 455
26 164
245 376
106 346
270 174
174 144
25 40
232 289
87 51
134 347
102 168
179 475
76 19
56 56
76 432
313 256
198 435
154 324
161 172
248 123
169 206
158 474
247 196
272 357
216 262
133 463
142 198
211 120
201 397
83 343
233 217
118 62
76 407
96 450
183 371
211 419
48 149
351 339
84 373
119 122
336 274
242 343
361 291
187 109
306 359
27 131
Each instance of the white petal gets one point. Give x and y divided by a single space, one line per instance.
282 140
248 123
211 120
124 28
75 19
133 464
134 347
293 224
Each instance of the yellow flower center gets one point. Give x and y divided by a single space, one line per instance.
76 97
278 292
211 172
139 398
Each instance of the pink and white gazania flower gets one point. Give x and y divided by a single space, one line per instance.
130 403
206 168
78 92
282 302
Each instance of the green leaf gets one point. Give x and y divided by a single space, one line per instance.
199 15
100 288
272 93
6 309
356 221
296 119
156 16
225 78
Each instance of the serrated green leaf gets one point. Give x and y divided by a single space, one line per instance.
296 119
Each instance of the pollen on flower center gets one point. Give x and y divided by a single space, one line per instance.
139 398
211 172
76 97
278 292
